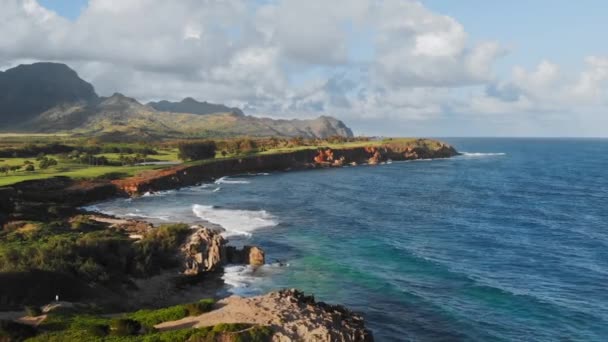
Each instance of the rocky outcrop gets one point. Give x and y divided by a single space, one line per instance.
292 316
249 255
206 250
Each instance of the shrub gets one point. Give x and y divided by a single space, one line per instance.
46 162
13 331
197 150
30 168
98 330
125 327
198 308
33 311
149 318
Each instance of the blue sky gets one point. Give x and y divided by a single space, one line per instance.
388 67
565 31
70 9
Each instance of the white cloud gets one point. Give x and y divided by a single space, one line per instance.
421 64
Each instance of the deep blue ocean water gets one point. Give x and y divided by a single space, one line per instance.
506 243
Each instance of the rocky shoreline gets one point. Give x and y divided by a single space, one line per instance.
58 197
205 250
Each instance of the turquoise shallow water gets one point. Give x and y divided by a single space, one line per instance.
506 243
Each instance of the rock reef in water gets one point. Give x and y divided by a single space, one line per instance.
206 250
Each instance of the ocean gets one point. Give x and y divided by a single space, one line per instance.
508 242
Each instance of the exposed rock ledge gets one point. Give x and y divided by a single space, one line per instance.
292 316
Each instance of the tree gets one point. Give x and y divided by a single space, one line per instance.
30 167
15 168
247 146
5 169
197 150
47 162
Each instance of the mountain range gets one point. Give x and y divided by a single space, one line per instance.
51 97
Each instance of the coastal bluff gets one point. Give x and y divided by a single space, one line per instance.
60 196
310 158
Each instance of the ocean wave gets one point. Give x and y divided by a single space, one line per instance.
246 280
217 189
240 279
482 154
235 221
227 180
158 193
144 216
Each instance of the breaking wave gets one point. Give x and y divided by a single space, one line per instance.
235 221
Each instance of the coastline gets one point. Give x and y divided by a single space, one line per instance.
61 197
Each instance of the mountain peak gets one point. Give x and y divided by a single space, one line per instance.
30 89
119 102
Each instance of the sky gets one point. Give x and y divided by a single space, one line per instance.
384 67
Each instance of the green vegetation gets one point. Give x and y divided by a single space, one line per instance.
197 150
27 157
32 157
13 331
82 249
73 325
149 318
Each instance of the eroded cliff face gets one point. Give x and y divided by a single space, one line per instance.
304 159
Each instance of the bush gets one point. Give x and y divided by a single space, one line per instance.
33 311
30 168
46 162
198 308
149 318
13 331
197 150
98 330
125 327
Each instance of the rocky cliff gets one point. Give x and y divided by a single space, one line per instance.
59 196
303 159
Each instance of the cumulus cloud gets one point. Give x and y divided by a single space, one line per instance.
547 89
418 64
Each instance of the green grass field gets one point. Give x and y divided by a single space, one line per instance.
73 169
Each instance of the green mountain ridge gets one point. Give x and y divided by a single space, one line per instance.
43 104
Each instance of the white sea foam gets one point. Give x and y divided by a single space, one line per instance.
240 279
227 180
158 193
234 221
217 189
156 217
480 154
245 280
